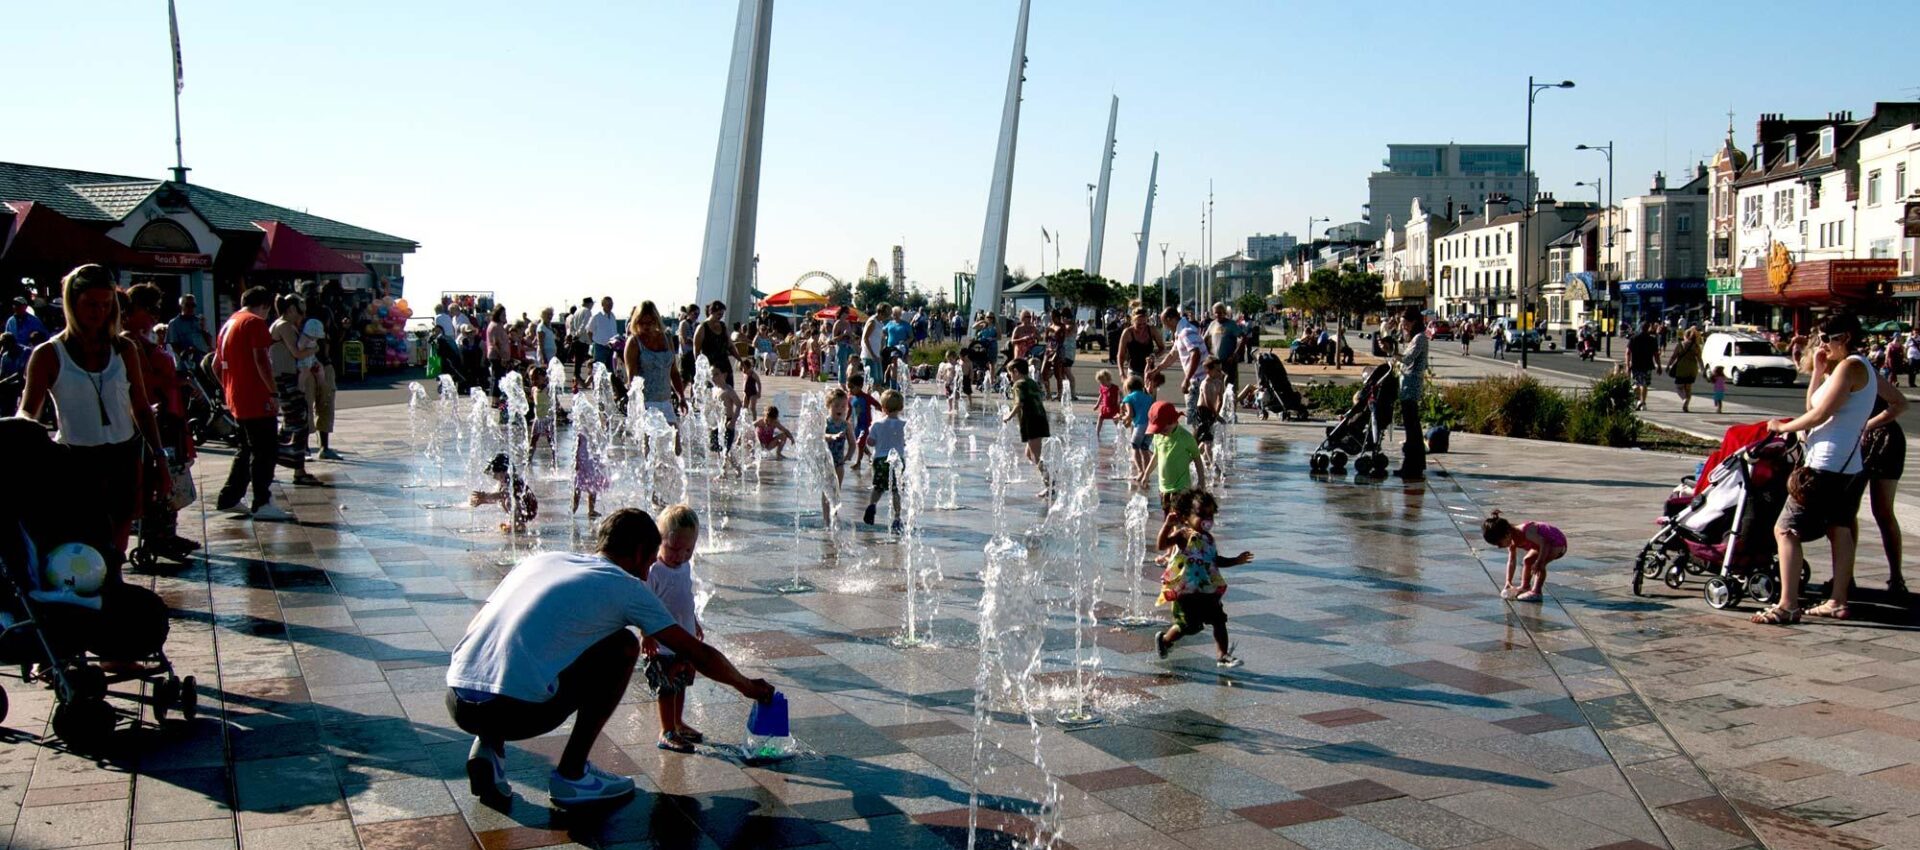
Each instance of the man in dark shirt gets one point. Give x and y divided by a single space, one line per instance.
1643 356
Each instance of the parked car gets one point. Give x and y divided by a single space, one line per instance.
1748 359
1440 329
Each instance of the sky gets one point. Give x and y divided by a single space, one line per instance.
556 150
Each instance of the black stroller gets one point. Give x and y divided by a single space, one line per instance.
62 644
207 415
1362 430
1276 394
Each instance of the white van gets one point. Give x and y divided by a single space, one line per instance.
1748 359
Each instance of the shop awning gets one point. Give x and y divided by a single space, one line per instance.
284 249
1819 282
40 237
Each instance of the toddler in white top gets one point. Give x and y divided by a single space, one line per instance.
671 579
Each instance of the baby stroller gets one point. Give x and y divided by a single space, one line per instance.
62 613
207 416
1719 524
1276 391
1361 430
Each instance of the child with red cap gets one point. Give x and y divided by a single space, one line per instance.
1176 454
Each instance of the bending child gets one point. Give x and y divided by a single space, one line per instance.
1543 543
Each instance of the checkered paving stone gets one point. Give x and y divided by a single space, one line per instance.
1389 698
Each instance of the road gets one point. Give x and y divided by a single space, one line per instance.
1780 400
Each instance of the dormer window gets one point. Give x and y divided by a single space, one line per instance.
1826 141
1793 149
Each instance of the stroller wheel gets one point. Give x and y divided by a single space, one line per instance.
189 699
1675 577
1318 462
165 693
1720 594
85 683
1652 562
3 705
1763 588
1337 461
83 724
143 558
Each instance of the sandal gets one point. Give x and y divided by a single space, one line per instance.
1830 610
673 743
1778 615
1897 587
691 735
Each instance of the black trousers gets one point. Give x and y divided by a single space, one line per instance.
1414 450
253 463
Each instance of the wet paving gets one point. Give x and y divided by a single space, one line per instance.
1389 698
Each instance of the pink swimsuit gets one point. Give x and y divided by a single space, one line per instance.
1540 537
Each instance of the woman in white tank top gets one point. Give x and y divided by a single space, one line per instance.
1826 501
100 401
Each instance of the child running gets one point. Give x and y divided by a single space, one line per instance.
589 473
1192 583
1107 405
1719 379
671 579
514 496
772 434
888 437
861 404
1138 404
1176 455
949 377
1544 544
1029 406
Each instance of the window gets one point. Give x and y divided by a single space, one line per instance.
1839 233
1783 206
1682 262
1882 249
1654 269
1722 248
1683 222
1509 241
1633 266
1653 221
1813 194
1900 181
1826 141
1752 208
1873 188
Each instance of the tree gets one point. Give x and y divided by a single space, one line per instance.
839 294
914 299
1250 303
1357 294
870 292
1076 288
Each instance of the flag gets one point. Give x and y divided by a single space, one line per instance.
179 73
1043 235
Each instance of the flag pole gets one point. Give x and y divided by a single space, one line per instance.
179 82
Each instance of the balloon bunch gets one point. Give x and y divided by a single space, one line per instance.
392 314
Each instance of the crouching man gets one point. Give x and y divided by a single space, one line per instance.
553 641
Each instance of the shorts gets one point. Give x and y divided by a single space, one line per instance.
1195 612
1142 441
882 474
318 386
1642 377
1883 452
1034 427
667 674
1831 499
1203 421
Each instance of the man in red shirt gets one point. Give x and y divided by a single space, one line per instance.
247 378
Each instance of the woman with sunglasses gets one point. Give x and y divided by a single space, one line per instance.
1840 409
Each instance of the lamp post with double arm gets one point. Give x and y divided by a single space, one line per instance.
1613 308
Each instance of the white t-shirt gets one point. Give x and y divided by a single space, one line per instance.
674 587
603 327
888 437
444 322
544 614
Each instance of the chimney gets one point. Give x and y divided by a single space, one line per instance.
1659 182
1449 207
1545 201
1489 201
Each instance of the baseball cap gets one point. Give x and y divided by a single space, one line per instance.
1161 417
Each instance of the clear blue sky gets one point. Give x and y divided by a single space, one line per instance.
553 150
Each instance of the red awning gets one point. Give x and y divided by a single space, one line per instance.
41 236
284 249
1821 282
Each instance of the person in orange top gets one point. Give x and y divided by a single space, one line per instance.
247 379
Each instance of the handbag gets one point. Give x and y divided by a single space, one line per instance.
184 493
434 366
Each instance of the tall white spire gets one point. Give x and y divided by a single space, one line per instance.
726 256
1146 226
1096 245
990 273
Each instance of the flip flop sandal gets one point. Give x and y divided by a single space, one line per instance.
673 743
1776 616
691 736
1830 611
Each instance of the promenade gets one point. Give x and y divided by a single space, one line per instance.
1390 699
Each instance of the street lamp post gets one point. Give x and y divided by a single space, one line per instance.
1613 307
1163 278
1526 219
1180 296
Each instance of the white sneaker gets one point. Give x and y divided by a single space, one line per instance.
1509 592
329 454
271 512
487 772
593 786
